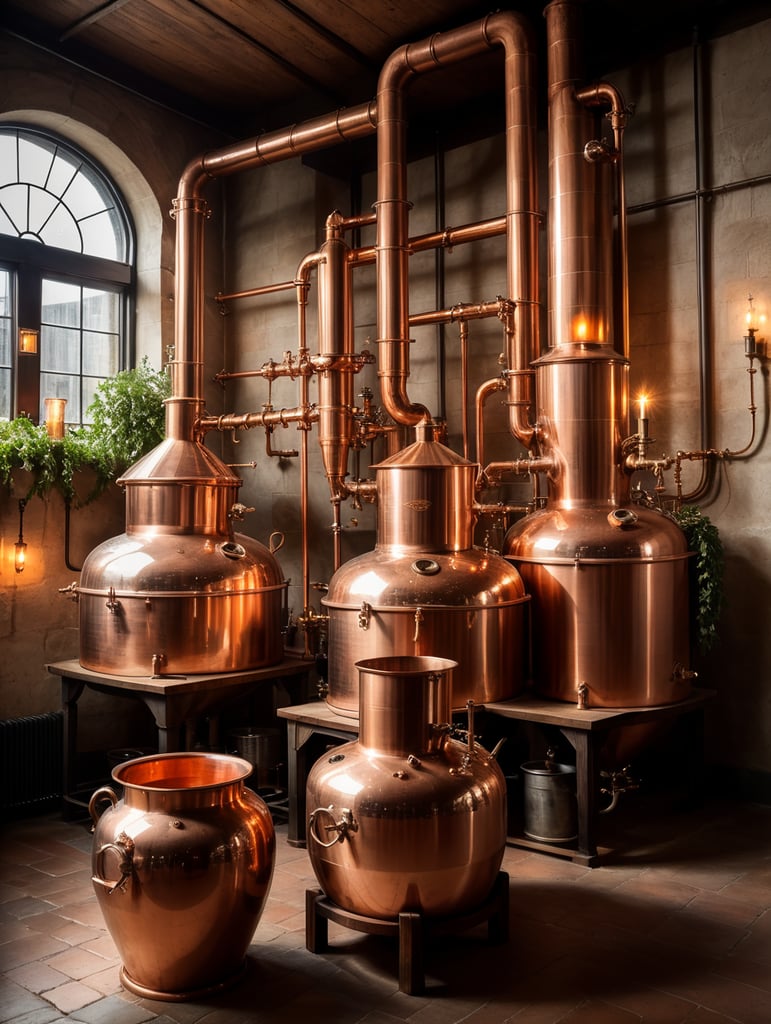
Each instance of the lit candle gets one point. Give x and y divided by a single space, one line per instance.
55 417
642 422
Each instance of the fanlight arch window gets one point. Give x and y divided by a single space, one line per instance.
66 273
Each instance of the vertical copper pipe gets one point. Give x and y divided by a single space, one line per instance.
605 94
335 339
509 30
580 236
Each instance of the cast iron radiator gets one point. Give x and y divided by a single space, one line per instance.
30 761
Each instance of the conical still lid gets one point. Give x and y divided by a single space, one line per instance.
180 486
426 497
404 703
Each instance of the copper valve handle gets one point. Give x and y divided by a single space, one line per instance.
342 827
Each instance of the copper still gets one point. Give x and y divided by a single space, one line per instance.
406 818
425 589
608 578
180 592
182 867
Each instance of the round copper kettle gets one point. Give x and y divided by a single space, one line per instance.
426 590
182 865
406 818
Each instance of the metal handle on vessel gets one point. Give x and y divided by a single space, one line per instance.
342 827
104 793
276 545
124 847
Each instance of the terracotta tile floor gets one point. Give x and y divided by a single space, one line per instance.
675 927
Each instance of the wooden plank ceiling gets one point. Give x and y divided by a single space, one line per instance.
244 66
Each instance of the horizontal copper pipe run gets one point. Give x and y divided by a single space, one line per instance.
493 472
447 239
457 314
268 418
267 289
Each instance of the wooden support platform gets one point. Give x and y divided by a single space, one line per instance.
410 928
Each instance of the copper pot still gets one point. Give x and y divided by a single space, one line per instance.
182 867
426 590
180 592
406 818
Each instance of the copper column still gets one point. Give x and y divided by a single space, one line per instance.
425 589
406 818
182 867
608 579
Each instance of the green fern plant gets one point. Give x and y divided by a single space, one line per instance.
127 420
707 572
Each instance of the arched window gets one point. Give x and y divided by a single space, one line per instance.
66 275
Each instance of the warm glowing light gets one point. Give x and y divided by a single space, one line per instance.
27 341
582 329
753 318
19 555
20 548
55 417
643 401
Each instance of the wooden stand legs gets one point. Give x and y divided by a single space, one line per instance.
411 929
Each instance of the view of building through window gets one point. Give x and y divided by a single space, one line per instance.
66 252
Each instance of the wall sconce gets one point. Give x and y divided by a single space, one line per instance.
55 417
28 341
754 321
20 548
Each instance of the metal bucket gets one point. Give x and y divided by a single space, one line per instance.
262 749
550 805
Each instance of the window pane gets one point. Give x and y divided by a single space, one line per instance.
99 236
61 303
90 384
55 385
63 171
100 354
5 293
5 394
5 341
62 231
14 203
59 350
41 206
101 310
35 160
6 345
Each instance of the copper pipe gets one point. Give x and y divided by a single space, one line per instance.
580 241
600 94
336 350
268 418
190 210
457 314
447 238
266 289
507 29
489 387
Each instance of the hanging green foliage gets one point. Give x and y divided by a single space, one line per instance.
127 420
707 573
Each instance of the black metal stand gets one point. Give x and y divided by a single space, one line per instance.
411 929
